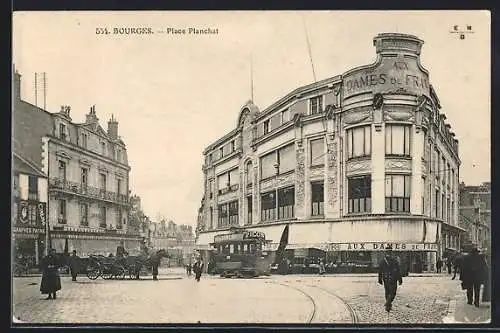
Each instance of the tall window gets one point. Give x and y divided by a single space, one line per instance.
233 147
103 148
119 217
118 186
228 214
360 194
102 216
267 168
285 116
359 141
317 199
283 158
118 154
84 214
397 140
436 204
448 210
448 174
316 105
424 189
62 170
33 188
266 126
84 140
211 188
443 168
228 180
317 152
233 213
397 193
62 212
286 202
249 173
268 206
438 165
62 132
443 207
84 177
102 181
211 217
249 209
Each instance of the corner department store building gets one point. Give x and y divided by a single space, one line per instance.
351 163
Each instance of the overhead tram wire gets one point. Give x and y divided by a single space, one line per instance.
309 48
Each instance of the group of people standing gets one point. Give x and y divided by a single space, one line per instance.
197 268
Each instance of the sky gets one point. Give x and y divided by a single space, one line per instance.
174 94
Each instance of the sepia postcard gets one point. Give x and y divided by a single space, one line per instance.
251 167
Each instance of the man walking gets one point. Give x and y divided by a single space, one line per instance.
473 274
155 262
198 268
73 265
439 264
389 274
51 281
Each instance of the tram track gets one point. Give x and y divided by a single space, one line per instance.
315 317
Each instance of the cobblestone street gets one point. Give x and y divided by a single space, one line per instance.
176 298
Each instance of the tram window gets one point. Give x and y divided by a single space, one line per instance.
259 247
245 248
236 248
252 248
231 248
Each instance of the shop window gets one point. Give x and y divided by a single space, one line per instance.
62 212
358 142
317 153
249 209
286 202
316 105
397 140
317 199
33 188
268 206
84 214
397 193
359 194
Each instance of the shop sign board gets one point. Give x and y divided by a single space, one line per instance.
379 246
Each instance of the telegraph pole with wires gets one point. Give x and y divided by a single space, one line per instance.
309 49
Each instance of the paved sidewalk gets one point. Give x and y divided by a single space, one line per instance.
461 312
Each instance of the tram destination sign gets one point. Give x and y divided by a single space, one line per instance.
239 236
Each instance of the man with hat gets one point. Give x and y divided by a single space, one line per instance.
473 273
389 274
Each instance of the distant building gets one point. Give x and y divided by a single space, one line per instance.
475 214
88 175
351 163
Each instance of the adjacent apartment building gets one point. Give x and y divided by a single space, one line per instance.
351 163
87 171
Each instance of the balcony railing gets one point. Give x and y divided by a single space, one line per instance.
90 191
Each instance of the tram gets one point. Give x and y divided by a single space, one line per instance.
241 253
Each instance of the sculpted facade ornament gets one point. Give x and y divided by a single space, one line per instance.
357 116
398 164
358 166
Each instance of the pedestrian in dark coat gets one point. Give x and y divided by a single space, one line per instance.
188 269
439 265
487 282
449 262
155 262
473 274
51 281
198 269
457 262
74 265
389 274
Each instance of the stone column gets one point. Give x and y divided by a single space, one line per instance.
256 193
417 152
330 184
300 178
378 169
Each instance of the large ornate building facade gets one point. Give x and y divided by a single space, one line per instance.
88 176
351 163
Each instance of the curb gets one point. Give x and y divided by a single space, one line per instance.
450 315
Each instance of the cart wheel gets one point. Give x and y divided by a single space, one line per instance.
93 273
107 275
120 273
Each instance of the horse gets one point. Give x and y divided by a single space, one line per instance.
136 263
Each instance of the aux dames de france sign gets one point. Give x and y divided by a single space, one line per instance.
390 75
382 246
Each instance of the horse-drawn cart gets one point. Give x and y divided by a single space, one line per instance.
112 267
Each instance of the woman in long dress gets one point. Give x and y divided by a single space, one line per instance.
51 282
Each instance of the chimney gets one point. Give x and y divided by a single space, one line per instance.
17 84
113 128
91 117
